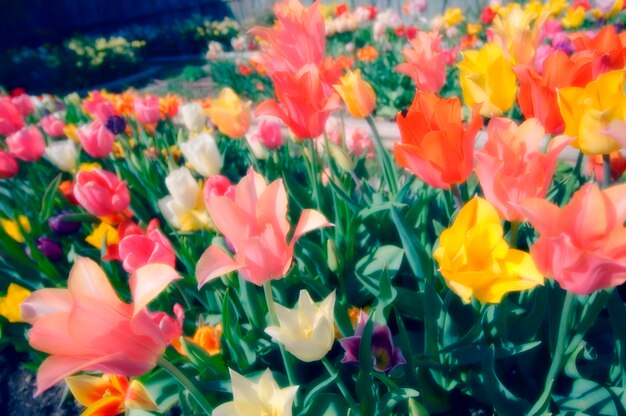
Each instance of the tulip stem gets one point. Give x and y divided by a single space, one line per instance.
456 193
384 158
513 234
269 299
186 383
606 171
558 358
342 387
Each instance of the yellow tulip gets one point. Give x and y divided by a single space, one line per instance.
573 17
517 33
475 260
13 229
230 114
487 78
358 95
474 28
103 232
89 166
589 111
556 7
10 304
453 16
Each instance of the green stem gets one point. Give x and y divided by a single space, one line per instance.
456 193
558 358
606 171
313 174
513 234
269 299
186 383
384 159
342 387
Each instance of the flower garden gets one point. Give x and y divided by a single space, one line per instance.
373 214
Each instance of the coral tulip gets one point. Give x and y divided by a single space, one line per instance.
434 144
96 139
425 62
255 224
147 109
101 192
27 144
138 250
230 114
357 94
606 46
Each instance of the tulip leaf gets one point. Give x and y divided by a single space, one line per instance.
617 312
502 399
364 383
418 259
326 404
47 202
591 398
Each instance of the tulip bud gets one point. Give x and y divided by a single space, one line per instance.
358 95
27 144
116 124
62 154
8 165
60 226
49 248
334 261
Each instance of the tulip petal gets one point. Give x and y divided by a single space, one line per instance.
147 282
87 279
45 302
87 389
213 263
138 397
617 196
108 405
310 220
543 215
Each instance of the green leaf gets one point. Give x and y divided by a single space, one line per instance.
503 401
592 398
420 262
364 383
47 202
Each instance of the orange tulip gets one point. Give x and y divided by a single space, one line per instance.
607 48
434 143
511 168
230 114
358 95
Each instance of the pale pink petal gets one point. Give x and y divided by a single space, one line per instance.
543 215
310 220
213 263
87 279
271 208
147 282
229 218
45 302
617 195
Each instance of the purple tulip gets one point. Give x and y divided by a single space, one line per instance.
116 124
385 357
60 226
49 248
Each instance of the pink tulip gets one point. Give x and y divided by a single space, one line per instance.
98 106
8 165
24 104
96 139
426 63
27 144
255 224
511 167
11 119
100 192
147 109
359 142
582 245
218 185
52 126
86 327
269 133
138 250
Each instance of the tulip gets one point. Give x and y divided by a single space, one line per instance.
10 303
511 167
581 245
110 394
88 328
262 398
192 115
138 250
425 63
269 133
230 114
434 144
203 154
59 225
116 124
475 260
147 109
359 142
588 112
11 119
596 166
518 35
8 165
487 78
23 104
607 47
206 337
304 103
358 95
307 331
103 235
49 248
62 154
574 17
255 224
98 107
27 144
385 356
101 192
168 105
14 230
96 139
183 208
52 126
218 185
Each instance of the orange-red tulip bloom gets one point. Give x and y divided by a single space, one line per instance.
425 62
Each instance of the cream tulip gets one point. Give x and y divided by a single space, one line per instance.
192 116
62 154
202 154
183 207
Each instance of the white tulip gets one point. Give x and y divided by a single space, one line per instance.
62 154
203 155
183 206
192 116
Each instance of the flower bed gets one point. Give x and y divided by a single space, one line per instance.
229 256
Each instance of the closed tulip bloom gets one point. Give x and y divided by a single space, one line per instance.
62 154
357 94
434 143
49 248
52 126
255 224
203 154
11 119
519 33
98 106
8 165
101 192
588 112
138 250
269 133
116 124
581 245
183 207
86 327
475 260
487 78
607 47
110 394
147 109
308 330
96 139
192 116
264 397
27 144
304 102
425 63
230 114
511 166
61 225
217 185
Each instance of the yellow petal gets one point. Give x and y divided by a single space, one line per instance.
138 397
